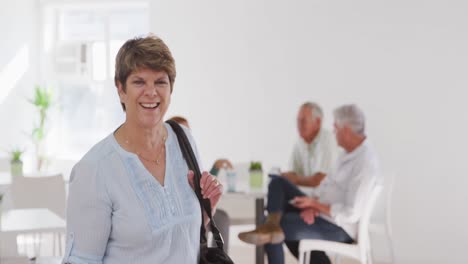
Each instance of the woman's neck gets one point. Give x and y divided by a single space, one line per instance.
139 139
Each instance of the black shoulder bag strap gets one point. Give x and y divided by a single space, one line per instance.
192 164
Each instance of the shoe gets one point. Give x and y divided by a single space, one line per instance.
268 233
264 234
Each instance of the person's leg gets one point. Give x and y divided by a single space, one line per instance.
223 222
296 229
319 257
274 253
293 247
280 191
316 257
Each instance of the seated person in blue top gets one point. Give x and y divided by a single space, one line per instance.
221 217
334 213
131 197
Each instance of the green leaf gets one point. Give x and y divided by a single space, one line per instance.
16 154
255 165
42 98
38 134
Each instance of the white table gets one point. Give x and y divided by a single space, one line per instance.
5 178
246 206
24 221
31 220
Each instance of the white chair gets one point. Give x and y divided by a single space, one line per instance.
46 193
39 192
63 166
385 227
359 250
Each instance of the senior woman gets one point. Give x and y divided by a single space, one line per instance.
131 198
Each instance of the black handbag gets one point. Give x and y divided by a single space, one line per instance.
208 255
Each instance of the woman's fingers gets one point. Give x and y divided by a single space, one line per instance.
212 187
213 192
204 180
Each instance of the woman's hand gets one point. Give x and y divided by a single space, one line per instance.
210 187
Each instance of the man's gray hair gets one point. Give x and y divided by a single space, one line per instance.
351 116
315 108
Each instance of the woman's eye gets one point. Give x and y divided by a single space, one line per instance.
138 82
161 83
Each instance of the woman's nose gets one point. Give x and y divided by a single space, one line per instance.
151 91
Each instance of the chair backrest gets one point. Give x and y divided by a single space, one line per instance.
39 192
63 166
363 230
389 184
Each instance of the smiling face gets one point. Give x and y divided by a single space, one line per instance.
146 96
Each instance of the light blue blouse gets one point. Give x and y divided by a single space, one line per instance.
119 213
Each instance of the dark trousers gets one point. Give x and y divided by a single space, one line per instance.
280 191
316 257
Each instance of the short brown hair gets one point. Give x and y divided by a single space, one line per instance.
148 52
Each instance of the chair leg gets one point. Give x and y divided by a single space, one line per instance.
54 243
60 245
369 256
390 246
337 259
301 258
39 246
25 244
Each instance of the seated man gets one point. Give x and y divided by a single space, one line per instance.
312 159
314 154
335 213
220 217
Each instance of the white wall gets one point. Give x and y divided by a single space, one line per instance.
18 71
245 66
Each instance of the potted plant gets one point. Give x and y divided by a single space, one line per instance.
42 101
256 175
16 164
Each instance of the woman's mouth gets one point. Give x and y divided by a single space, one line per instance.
150 105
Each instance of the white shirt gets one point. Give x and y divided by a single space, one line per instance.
318 156
349 187
119 213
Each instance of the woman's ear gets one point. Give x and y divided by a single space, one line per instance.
121 91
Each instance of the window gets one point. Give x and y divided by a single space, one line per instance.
80 42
